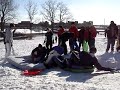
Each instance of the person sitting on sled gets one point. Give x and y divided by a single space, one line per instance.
38 54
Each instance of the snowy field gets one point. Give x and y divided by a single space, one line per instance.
57 79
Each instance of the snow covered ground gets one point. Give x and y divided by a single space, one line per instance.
57 79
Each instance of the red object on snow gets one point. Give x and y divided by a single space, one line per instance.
32 72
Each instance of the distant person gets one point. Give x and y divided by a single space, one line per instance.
111 34
61 39
73 40
49 39
60 31
83 36
38 54
9 39
92 35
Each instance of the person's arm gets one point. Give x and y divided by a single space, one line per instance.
14 31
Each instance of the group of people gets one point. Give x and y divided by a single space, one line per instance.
87 34
50 56
55 56
76 60
74 36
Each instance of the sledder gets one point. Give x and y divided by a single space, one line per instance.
38 54
77 62
80 61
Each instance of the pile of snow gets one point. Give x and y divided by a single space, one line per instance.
57 79
27 31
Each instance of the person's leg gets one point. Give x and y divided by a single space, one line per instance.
51 54
65 47
91 43
80 43
71 44
76 45
112 44
8 49
108 45
50 45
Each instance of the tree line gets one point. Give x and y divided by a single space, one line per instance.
51 10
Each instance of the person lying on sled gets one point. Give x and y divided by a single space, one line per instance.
49 61
83 60
38 54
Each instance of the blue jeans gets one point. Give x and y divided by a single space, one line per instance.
91 42
73 44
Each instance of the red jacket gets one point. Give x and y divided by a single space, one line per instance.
73 29
92 32
60 31
86 34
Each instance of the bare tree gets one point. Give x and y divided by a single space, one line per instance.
63 13
7 11
49 9
31 9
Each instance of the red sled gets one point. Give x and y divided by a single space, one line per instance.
32 72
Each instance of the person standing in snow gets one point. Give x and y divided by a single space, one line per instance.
111 34
92 35
9 39
62 39
49 39
60 31
73 40
83 36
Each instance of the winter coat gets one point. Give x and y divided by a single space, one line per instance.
49 35
38 52
83 34
111 31
73 29
8 36
92 32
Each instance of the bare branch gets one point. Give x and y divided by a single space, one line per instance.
63 12
7 11
31 9
49 9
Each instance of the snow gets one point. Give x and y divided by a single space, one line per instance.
27 31
57 79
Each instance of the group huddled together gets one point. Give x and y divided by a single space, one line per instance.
82 47
78 56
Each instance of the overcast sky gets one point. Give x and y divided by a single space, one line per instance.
98 11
